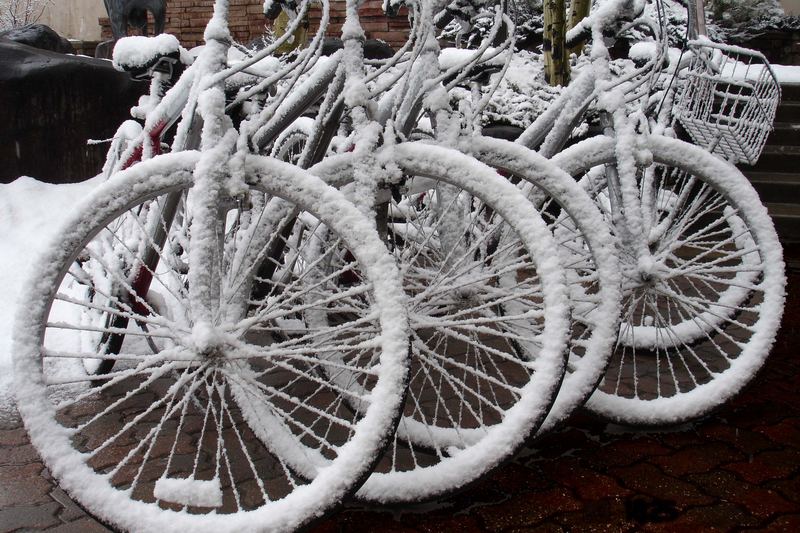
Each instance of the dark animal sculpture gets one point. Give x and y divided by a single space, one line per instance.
123 13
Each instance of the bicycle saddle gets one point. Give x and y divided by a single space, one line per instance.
142 56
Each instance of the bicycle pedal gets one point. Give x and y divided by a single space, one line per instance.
189 491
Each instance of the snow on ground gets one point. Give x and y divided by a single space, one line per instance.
30 214
787 73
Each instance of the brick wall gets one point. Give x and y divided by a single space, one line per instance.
187 19
375 23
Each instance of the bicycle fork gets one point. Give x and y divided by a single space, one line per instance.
626 206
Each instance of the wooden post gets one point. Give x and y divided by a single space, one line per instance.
697 19
555 53
579 10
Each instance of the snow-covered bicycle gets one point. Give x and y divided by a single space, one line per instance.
703 269
482 323
449 450
160 442
163 431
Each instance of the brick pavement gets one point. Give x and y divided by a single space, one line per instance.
737 470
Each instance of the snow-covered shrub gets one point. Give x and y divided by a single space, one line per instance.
526 14
523 94
742 19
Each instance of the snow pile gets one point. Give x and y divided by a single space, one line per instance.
787 73
31 212
783 73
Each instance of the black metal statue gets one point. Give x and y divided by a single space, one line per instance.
124 13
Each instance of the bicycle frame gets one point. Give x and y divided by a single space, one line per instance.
550 132
326 81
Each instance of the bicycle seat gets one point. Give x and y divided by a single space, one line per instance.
142 56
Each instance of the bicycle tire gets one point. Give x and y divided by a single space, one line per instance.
436 450
162 455
289 145
719 281
587 250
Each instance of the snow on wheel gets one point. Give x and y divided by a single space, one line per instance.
290 143
698 327
488 312
159 443
586 249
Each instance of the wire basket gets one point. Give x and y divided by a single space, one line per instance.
728 100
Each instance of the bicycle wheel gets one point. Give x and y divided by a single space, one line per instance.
700 325
102 320
586 249
127 132
290 143
160 444
488 313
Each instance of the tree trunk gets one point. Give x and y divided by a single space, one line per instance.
579 10
555 53
697 19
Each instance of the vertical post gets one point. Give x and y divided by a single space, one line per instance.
578 10
697 19
555 53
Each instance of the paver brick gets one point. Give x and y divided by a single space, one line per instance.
541 528
626 452
598 516
678 437
514 478
758 501
13 437
83 525
588 484
745 440
527 509
647 479
788 488
786 432
460 523
767 465
29 517
754 414
12 473
70 510
718 517
20 455
695 459
557 444
786 523
23 485
362 522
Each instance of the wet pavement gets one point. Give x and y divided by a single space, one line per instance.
737 470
